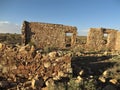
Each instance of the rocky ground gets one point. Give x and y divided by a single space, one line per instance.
30 68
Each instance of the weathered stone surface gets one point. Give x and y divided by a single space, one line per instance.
96 39
113 81
117 44
1 45
105 74
23 64
44 34
102 79
79 79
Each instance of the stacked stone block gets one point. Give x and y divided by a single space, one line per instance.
44 34
96 39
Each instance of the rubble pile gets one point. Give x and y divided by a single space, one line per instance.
23 63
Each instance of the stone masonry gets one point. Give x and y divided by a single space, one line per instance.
44 34
117 45
55 35
96 39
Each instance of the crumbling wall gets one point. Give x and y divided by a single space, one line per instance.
111 38
95 38
44 34
117 45
97 41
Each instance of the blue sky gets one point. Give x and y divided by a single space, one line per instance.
83 14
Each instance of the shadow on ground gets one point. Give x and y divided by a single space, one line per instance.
92 65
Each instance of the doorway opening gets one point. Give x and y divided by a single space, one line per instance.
68 39
105 38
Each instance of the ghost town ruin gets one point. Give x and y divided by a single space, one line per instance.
44 34
96 39
28 67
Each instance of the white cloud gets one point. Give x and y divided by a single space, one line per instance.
2 22
8 27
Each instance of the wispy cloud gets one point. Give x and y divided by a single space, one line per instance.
3 22
8 27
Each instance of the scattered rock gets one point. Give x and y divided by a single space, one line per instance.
52 54
5 69
32 49
1 45
81 72
47 64
49 82
105 53
22 49
79 79
105 73
60 74
78 53
113 81
60 53
102 79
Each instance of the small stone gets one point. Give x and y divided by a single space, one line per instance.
79 79
22 49
1 45
5 69
60 74
32 48
81 72
47 64
102 79
113 81
52 54
105 53
78 54
59 59
60 53
56 78
49 82
91 76
105 73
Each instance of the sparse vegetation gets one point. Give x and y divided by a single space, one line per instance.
10 39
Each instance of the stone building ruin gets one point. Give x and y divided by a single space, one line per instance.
45 34
102 38
55 35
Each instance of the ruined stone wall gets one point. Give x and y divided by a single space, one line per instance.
96 39
111 38
44 34
117 46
